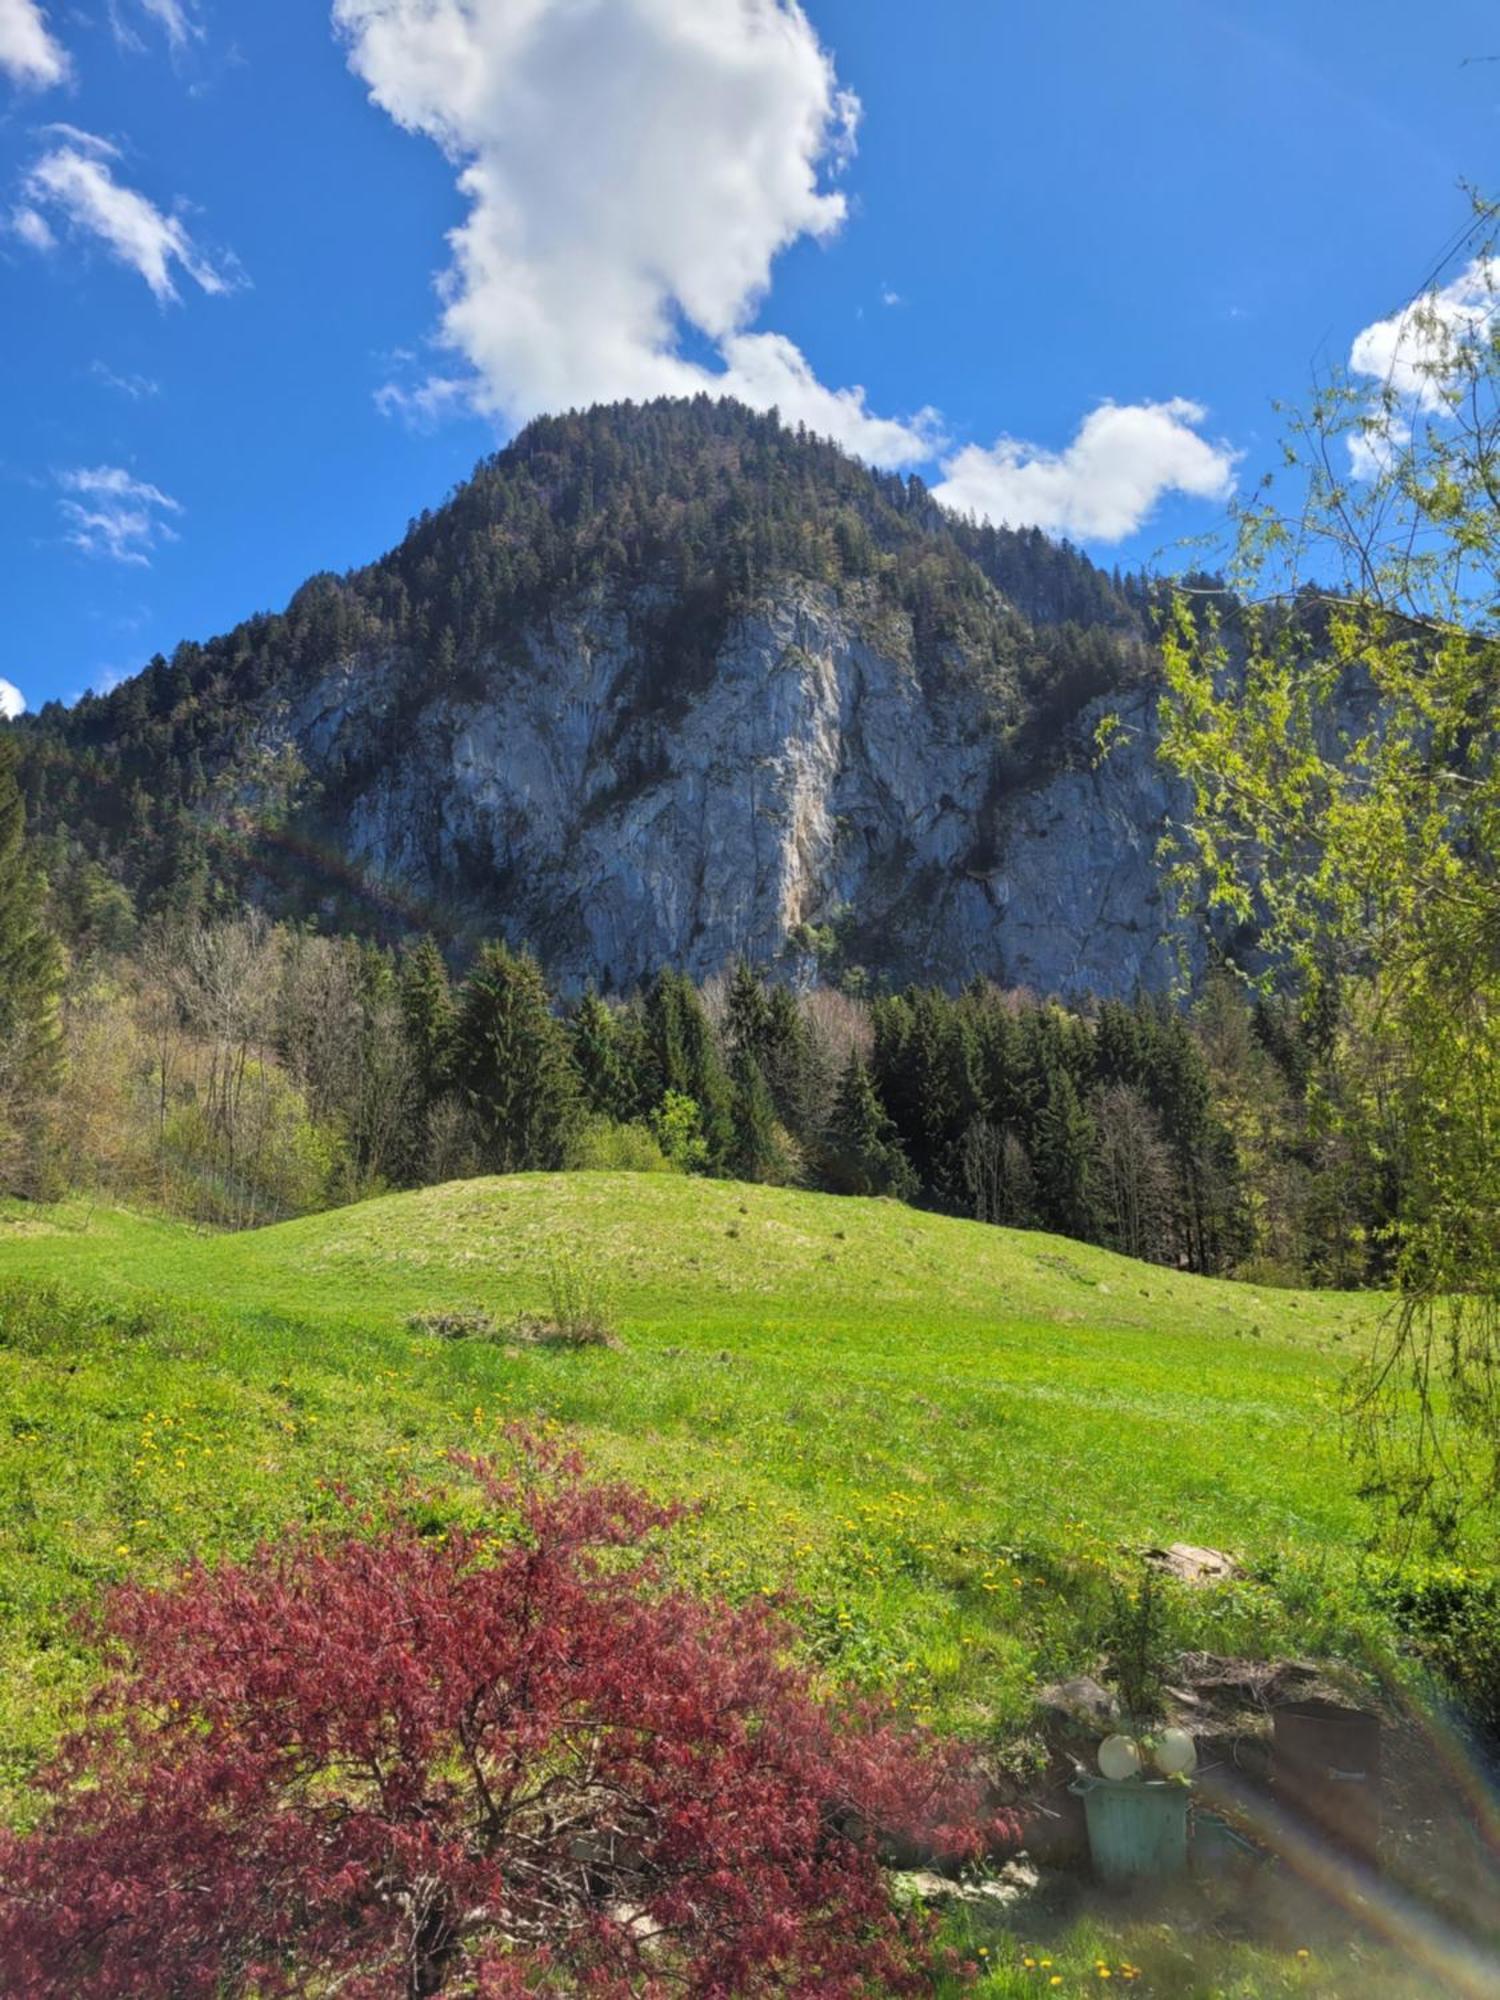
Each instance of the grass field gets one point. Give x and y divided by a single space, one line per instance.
945 1438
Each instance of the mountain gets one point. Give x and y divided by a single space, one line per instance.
659 684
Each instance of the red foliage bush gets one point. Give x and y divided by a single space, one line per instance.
493 1761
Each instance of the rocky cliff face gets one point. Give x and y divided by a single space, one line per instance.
811 794
660 684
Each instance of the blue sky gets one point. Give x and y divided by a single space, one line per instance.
1109 235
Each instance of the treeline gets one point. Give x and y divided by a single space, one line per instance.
239 1071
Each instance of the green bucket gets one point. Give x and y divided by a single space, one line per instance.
1137 1828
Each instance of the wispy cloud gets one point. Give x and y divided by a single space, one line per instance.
139 388
12 701
423 404
33 229
109 512
177 19
74 184
29 53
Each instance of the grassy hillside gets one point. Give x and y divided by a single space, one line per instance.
944 1436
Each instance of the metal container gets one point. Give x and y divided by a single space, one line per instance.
1137 1828
1326 1775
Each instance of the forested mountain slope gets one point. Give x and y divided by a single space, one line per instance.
659 684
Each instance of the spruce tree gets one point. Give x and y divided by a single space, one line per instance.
30 988
427 1014
597 1058
795 1075
864 1151
748 1018
666 1060
1063 1157
513 1064
683 1058
758 1152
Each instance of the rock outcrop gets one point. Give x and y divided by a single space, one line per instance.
816 796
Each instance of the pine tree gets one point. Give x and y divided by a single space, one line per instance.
30 987
597 1058
759 1151
513 1065
427 1012
1062 1158
666 1060
682 1057
795 1075
748 1018
864 1154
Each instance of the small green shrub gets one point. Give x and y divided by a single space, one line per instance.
1452 1616
1138 1649
578 1313
605 1146
678 1125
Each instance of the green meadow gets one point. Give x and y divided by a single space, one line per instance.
942 1437
944 1440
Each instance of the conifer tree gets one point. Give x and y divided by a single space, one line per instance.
513 1065
1062 1158
758 1152
864 1150
427 1013
795 1076
747 1026
597 1058
665 1051
682 1058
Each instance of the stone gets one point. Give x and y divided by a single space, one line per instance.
1196 1567
1081 1700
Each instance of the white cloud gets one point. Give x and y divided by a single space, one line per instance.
139 388
33 229
28 51
425 404
176 18
111 513
12 701
632 169
74 182
1124 459
87 142
1409 352
1410 356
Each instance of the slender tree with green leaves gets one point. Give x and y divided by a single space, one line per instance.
30 989
1335 714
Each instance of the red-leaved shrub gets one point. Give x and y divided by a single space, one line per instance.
489 1761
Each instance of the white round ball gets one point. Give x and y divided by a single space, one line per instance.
1119 1758
1176 1753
